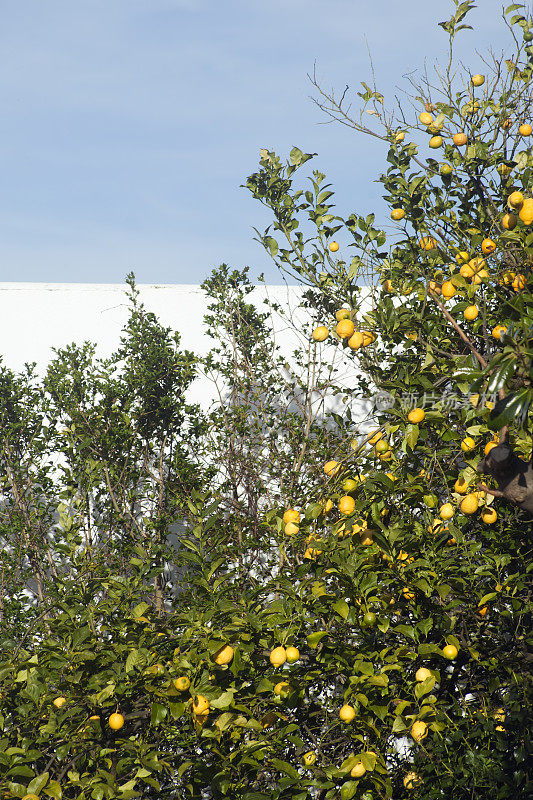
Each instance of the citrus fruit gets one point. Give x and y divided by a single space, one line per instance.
462 257
281 689
471 312
498 331
345 328
356 340
182 683
419 730
358 770
331 468
342 313
515 200
369 619
468 444
482 610
400 136
397 214
448 289
386 287
489 446
446 169
526 211
461 486
321 333
412 778
519 281
293 654
416 415
308 759
334 246
489 516
446 511
435 141
278 656
488 246
347 713
200 705
477 80
368 338
347 504
525 129
509 222
291 515
422 674
427 243
425 118
450 652
470 503
116 721
349 485
291 529
460 139
59 702
224 655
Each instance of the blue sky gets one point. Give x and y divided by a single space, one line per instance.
128 126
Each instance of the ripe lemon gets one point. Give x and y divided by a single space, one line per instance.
200 705
460 139
345 328
427 243
446 169
422 674
358 770
435 141
116 721
526 211
425 118
291 529
382 446
462 257
400 136
488 246
291 515
321 333
224 655
282 689
59 702
434 287
471 312
519 281
293 654
489 516
308 759
477 80
349 485
416 415
332 468
347 713
278 656
328 505
461 486
450 652
525 129
182 683
506 124
448 289
515 200
419 730
347 504
411 779
498 331
470 503
334 246
468 444
397 214
356 340
342 313
446 511
489 446
368 338
509 222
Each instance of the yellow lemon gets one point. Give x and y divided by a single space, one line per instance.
468 444
448 289
59 702
116 721
446 511
416 415
182 683
332 468
422 674
397 214
347 505
477 80
498 331
425 118
200 705
224 655
334 246
321 333
489 516
525 129
515 200
293 654
509 221
291 515
278 656
419 730
356 340
470 503
347 713
358 770
460 139
450 652
345 328
411 779
471 312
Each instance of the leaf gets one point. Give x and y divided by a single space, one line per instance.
140 609
158 713
342 608
134 659
513 406
314 639
296 156
35 786
284 766
54 790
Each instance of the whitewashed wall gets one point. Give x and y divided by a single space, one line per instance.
37 317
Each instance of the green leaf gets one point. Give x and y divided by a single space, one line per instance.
314 639
342 608
158 713
37 784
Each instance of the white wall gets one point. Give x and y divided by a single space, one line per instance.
37 317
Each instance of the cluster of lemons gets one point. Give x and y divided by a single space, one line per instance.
345 328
